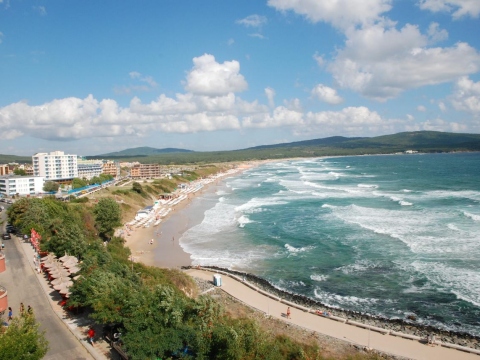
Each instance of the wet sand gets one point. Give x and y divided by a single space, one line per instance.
166 250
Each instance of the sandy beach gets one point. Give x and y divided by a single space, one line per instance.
165 249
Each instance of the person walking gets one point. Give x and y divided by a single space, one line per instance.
288 312
90 335
22 308
10 314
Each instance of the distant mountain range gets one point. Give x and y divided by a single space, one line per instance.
143 151
416 140
422 141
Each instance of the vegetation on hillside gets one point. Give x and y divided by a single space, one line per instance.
423 141
147 305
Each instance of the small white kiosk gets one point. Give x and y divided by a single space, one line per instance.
217 280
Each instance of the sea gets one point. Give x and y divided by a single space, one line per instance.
388 235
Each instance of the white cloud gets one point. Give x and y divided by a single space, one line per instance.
326 94
230 42
340 13
319 59
421 108
214 79
458 7
442 106
380 61
254 21
257 35
41 10
281 116
147 83
466 96
270 94
438 125
436 34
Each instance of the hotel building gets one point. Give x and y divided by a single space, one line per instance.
22 185
55 166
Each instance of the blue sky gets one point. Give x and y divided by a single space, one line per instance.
91 77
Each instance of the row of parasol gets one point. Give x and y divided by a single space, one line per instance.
60 272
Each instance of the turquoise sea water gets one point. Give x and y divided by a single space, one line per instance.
392 235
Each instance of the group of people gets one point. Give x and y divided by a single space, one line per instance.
22 311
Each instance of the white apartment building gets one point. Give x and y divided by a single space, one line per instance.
88 169
22 185
56 166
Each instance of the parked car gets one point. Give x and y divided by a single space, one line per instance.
6 236
10 229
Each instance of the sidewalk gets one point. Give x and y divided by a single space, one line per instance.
77 325
385 343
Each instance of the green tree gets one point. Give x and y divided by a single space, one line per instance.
20 172
137 187
50 186
78 183
107 217
23 340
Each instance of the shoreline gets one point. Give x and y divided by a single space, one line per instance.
395 325
166 251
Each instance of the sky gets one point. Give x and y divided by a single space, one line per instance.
91 77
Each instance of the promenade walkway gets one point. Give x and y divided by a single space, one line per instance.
355 335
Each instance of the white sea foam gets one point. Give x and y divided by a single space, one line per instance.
221 192
453 227
243 220
405 203
358 266
328 206
464 283
338 301
419 230
368 186
316 277
472 216
258 203
465 194
294 251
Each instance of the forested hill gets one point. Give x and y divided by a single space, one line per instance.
142 151
421 141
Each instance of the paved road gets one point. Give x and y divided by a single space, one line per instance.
23 286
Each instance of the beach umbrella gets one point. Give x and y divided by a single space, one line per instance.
64 257
74 270
63 285
59 280
59 273
70 264
69 259
50 256
64 291
52 264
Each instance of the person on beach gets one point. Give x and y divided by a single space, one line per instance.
288 312
90 335
29 309
22 308
10 314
